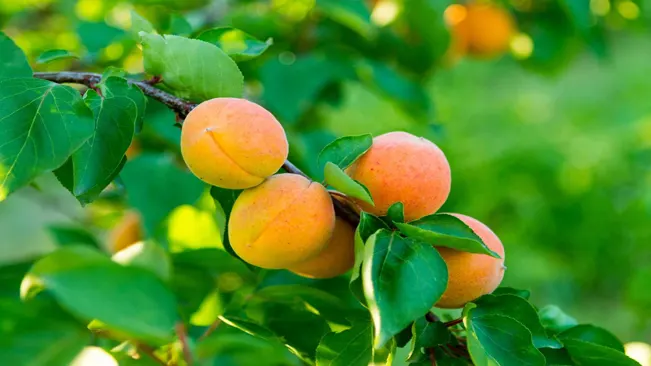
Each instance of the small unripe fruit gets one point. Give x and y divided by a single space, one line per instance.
401 167
481 30
335 259
472 275
282 222
126 233
233 143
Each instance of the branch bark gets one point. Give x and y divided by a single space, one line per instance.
181 108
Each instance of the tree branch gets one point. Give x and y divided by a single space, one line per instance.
185 346
149 351
182 108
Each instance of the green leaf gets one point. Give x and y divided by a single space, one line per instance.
555 319
97 162
592 334
396 212
91 286
520 310
428 38
148 256
139 24
394 269
368 225
351 347
72 235
495 339
340 181
193 69
345 150
14 62
226 199
446 230
586 353
248 326
115 86
52 55
237 44
43 124
157 185
179 25
354 14
236 348
525 294
38 333
426 334
557 357
97 35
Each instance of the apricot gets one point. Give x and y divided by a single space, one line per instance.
400 167
127 232
335 259
472 275
284 221
480 30
232 143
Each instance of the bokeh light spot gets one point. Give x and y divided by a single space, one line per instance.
384 12
600 7
628 10
455 14
521 46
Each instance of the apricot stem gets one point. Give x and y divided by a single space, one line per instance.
452 323
181 108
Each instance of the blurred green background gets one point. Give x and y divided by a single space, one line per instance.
549 143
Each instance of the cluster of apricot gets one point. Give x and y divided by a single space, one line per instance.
287 221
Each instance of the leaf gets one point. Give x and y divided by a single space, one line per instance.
97 162
248 326
426 334
97 35
395 269
586 353
345 150
396 212
446 230
226 199
148 256
14 62
592 334
43 123
525 294
193 69
495 339
520 310
240 46
340 181
156 186
71 235
52 55
179 25
354 14
351 347
554 319
368 225
428 38
139 24
91 286
38 333
236 348
115 86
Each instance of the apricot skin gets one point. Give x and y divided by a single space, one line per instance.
401 167
282 222
126 233
484 30
233 143
472 275
335 259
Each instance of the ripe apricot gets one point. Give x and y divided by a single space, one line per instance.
335 259
472 275
401 167
481 30
127 232
233 143
282 222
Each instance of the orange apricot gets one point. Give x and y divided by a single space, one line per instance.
127 232
480 30
282 222
472 275
401 167
233 143
335 259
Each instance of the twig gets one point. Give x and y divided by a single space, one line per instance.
431 317
210 329
154 80
182 108
149 351
183 338
432 356
452 323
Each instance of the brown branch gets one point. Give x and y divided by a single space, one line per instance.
182 108
183 338
210 329
454 322
431 317
149 351
432 356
